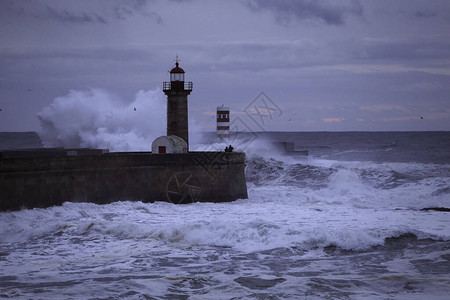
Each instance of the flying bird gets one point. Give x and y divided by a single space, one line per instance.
421 118
135 109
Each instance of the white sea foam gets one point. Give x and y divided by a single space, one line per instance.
271 218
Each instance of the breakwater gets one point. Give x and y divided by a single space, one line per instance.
31 179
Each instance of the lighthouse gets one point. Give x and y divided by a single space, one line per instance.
223 122
177 91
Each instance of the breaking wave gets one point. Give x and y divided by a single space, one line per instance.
362 184
98 119
258 224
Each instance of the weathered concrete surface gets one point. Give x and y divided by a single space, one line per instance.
109 177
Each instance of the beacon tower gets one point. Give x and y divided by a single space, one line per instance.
177 91
223 122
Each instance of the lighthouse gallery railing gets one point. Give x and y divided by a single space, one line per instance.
167 86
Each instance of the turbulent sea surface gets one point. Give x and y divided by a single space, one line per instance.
350 221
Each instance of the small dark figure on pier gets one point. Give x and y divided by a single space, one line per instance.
229 149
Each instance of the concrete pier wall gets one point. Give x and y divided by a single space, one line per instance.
178 178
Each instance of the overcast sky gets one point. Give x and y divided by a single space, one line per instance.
332 65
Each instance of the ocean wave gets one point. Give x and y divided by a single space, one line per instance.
441 191
309 204
244 226
369 184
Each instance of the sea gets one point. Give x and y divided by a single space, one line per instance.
365 215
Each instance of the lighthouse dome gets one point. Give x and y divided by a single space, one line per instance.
177 69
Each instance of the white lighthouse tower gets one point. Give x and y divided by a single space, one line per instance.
223 121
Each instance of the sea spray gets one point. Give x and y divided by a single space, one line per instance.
98 119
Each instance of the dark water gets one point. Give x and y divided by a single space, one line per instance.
350 221
424 147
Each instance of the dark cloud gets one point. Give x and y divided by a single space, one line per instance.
102 53
37 10
123 12
425 14
412 50
327 12
71 17
10 7
136 7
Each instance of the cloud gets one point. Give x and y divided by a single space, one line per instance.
95 54
136 7
9 7
401 49
38 10
422 86
383 107
438 115
93 12
71 17
332 120
389 68
251 55
399 119
324 11
425 14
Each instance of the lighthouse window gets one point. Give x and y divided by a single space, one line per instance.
176 77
